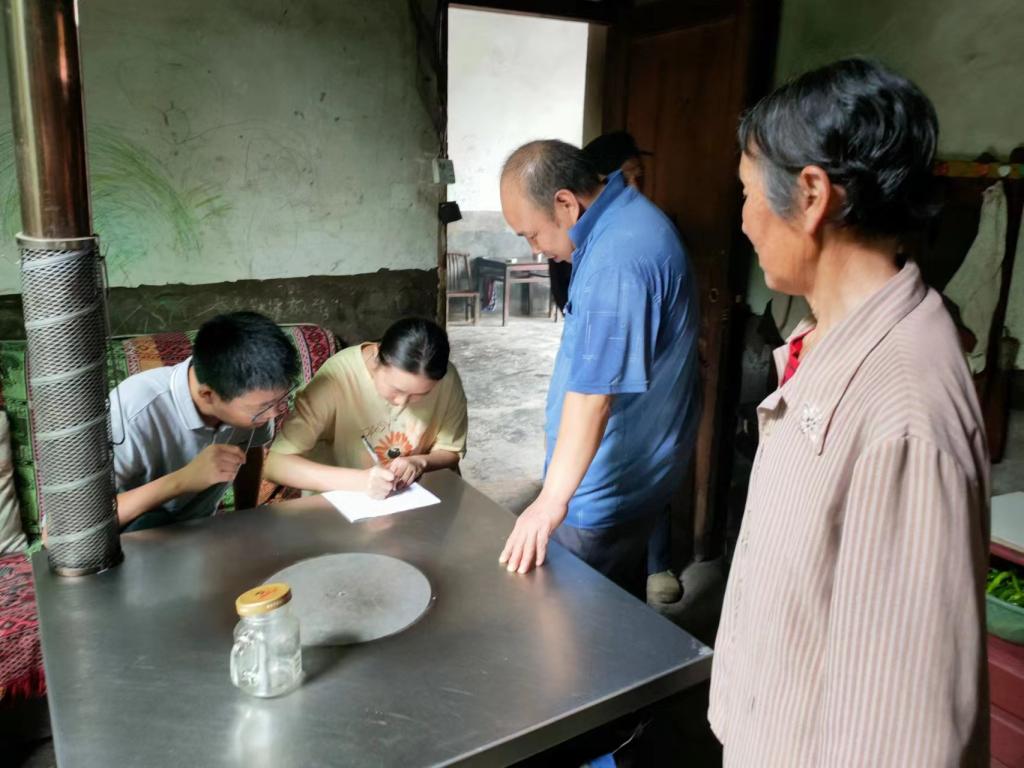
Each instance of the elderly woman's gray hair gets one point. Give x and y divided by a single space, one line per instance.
872 131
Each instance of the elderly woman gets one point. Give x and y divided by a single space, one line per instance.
852 629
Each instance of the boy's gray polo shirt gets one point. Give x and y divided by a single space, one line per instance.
157 430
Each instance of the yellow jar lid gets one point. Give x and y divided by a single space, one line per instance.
263 599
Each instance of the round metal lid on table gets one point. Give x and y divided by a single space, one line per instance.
263 599
355 597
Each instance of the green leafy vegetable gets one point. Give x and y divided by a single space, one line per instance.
1006 586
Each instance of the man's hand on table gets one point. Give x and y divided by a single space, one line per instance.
584 418
527 545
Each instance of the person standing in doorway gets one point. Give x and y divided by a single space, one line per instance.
611 152
622 406
618 151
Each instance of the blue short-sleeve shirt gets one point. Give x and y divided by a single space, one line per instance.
631 332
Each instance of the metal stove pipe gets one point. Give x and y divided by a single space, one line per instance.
62 289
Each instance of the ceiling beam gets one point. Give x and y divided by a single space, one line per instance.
596 11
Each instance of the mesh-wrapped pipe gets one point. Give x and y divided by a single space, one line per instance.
62 295
62 291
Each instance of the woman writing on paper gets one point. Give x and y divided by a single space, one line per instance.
400 394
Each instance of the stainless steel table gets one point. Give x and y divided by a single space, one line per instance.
501 666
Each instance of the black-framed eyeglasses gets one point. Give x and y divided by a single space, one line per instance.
276 404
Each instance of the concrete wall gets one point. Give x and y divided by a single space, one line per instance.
511 79
485 233
252 140
965 55
355 307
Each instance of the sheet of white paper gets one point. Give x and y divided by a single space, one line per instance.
358 506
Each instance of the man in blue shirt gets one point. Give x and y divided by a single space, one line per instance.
622 406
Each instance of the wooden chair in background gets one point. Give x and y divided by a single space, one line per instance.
460 285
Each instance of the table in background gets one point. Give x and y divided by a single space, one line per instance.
500 667
510 272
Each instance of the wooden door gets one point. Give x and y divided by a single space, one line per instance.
678 80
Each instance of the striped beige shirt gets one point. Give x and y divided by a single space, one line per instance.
852 632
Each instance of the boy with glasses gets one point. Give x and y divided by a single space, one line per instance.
183 432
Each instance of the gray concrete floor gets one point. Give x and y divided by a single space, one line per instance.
24 736
38 754
505 372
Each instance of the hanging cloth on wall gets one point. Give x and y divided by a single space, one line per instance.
1015 302
975 286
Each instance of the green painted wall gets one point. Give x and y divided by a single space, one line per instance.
235 139
965 55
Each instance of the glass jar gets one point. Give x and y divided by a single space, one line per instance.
266 659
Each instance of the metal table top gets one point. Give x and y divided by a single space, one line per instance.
500 667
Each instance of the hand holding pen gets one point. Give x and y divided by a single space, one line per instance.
380 481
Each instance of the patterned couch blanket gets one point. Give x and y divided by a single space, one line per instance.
21 658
